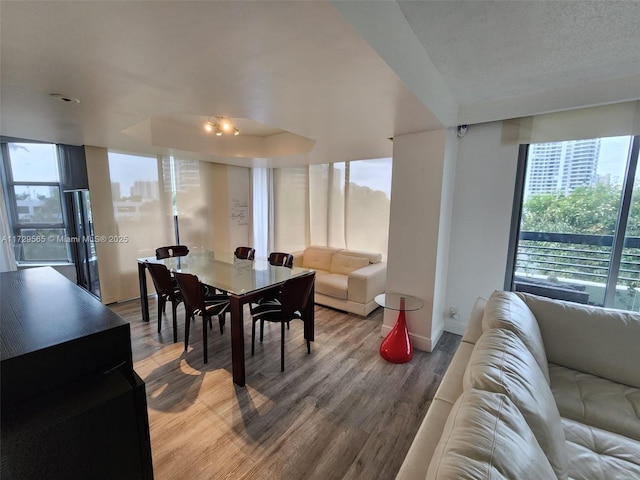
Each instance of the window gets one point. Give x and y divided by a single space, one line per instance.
35 209
578 233
291 212
369 205
142 216
342 205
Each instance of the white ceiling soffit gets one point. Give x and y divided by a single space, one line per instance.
504 59
186 133
295 66
384 26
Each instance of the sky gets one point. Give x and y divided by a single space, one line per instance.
363 172
613 156
34 162
126 169
375 174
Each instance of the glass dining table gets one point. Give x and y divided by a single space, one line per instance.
245 281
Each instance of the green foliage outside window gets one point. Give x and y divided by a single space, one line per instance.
586 210
589 211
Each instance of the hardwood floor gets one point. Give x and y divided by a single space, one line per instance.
341 412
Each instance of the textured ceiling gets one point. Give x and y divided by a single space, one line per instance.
488 50
344 75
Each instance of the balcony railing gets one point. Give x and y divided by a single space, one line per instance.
576 262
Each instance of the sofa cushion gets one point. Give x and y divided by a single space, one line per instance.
596 454
599 341
425 442
345 264
596 401
473 331
507 310
501 363
370 256
333 285
318 258
451 385
485 437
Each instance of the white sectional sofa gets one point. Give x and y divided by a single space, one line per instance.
538 389
345 279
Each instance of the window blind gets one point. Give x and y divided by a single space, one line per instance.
614 120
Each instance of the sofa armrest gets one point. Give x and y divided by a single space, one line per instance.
365 283
297 258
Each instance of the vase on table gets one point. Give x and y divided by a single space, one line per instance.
396 347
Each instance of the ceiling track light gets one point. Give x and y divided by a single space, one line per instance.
220 126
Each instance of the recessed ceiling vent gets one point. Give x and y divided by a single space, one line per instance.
64 98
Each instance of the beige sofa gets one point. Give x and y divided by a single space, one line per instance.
538 389
346 280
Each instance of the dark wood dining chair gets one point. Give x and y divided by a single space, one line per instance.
281 259
196 305
245 253
166 290
171 251
277 259
293 299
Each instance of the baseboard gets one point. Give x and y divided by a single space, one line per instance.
418 342
455 326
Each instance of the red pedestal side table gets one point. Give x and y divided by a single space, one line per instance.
396 347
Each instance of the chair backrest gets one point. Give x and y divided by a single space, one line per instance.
171 251
161 278
245 253
281 259
191 293
296 293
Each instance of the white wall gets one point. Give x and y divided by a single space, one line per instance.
482 205
238 207
440 306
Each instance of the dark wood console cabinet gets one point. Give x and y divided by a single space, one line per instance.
72 406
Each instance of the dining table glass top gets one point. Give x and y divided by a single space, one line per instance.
224 271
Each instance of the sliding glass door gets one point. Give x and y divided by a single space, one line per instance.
84 249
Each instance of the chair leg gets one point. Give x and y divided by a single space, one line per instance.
253 336
204 338
174 311
221 322
187 324
261 330
308 346
161 301
282 346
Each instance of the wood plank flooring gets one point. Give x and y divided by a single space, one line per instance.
341 412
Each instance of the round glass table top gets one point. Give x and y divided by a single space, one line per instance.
398 301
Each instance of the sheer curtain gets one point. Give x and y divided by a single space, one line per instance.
319 204
291 208
338 192
192 203
132 217
342 205
262 211
7 257
368 205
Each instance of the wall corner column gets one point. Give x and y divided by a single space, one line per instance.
419 229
